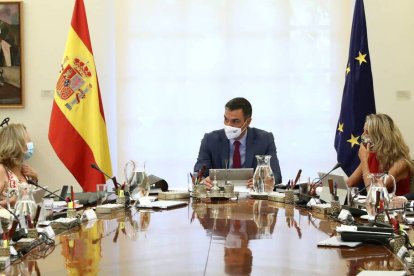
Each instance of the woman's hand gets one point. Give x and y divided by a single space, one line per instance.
363 152
29 173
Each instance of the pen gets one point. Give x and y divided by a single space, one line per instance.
29 221
200 173
381 202
394 222
13 228
72 194
377 200
298 176
192 178
36 218
116 183
330 183
311 187
196 177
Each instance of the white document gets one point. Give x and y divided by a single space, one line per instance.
381 272
336 241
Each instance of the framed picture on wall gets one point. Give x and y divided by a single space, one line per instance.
11 89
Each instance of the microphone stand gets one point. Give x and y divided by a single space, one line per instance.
48 195
334 168
313 185
50 192
116 184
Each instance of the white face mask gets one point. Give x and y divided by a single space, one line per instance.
233 132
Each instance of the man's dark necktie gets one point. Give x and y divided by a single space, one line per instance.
236 155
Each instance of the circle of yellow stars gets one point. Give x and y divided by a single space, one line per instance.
354 139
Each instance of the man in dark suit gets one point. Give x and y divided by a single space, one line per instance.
237 144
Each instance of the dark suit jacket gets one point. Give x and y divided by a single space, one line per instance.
410 196
215 149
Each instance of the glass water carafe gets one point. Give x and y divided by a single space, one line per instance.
136 179
139 182
25 204
378 198
263 178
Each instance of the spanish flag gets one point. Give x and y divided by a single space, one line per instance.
77 129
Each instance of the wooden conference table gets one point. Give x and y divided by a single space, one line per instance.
241 237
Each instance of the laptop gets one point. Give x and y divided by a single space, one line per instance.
238 177
342 188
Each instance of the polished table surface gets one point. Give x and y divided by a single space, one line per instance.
243 237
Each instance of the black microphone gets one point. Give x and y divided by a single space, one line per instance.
334 168
93 165
5 122
31 182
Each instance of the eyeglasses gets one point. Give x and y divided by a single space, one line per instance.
5 122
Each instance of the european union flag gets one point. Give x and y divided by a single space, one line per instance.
358 98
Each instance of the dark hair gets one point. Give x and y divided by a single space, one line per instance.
240 103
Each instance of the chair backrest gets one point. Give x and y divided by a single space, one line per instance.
411 184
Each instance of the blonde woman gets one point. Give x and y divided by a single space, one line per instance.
383 150
15 147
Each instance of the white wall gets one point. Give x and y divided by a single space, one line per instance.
390 37
46 24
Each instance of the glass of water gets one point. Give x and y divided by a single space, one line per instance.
101 194
352 196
